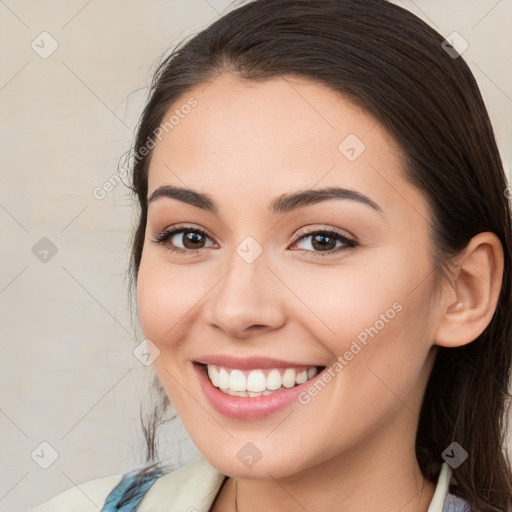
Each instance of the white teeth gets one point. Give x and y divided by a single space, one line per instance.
245 393
274 380
257 382
288 378
301 377
237 381
213 373
223 378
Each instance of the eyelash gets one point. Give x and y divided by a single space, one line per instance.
164 236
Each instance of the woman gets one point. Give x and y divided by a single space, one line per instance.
323 269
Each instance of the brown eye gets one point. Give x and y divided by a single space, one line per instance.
323 242
191 238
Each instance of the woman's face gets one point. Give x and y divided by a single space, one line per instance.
267 281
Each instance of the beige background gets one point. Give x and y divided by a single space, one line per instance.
69 377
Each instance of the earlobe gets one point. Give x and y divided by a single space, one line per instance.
477 284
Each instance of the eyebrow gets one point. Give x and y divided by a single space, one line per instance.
282 204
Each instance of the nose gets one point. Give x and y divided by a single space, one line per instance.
247 300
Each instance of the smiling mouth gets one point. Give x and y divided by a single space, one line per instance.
257 382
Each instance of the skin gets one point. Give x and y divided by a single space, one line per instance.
351 447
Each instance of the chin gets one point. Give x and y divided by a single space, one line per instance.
238 464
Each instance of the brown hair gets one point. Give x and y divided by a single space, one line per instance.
396 67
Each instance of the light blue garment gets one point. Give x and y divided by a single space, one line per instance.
112 502
452 503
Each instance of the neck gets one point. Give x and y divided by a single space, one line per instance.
366 488
384 480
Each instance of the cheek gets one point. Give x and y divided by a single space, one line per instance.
373 315
386 344
344 303
165 299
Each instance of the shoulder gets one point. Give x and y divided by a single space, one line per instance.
193 486
153 488
85 497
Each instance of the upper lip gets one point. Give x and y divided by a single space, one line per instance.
250 363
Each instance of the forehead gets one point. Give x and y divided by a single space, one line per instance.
245 141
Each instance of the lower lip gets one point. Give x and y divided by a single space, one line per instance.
248 408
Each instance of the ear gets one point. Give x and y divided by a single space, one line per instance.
469 305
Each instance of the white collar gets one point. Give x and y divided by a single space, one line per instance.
196 485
